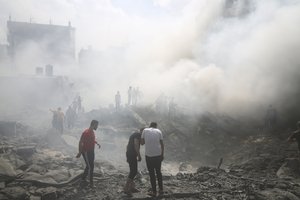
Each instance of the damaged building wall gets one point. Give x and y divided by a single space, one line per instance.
47 43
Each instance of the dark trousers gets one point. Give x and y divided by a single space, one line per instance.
133 166
89 158
154 166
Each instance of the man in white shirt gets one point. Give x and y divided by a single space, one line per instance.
154 150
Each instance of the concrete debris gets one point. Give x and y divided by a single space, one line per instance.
8 128
26 150
290 169
6 169
251 165
15 192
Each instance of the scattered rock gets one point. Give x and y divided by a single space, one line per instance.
16 193
290 169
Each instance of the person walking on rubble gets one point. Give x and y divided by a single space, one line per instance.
133 156
296 136
154 152
87 150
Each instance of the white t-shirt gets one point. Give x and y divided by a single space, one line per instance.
152 137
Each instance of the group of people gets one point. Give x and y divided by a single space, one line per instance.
60 120
134 95
165 105
151 137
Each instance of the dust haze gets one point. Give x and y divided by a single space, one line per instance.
235 56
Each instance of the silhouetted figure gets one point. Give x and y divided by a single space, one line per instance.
172 109
70 117
134 96
58 120
118 101
133 156
154 150
79 103
129 92
75 105
271 117
87 150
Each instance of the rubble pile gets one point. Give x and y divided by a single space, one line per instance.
232 160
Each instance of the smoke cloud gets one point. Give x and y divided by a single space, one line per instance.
229 56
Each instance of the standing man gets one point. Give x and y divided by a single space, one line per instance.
70 116
133 156
86 149
118 101
271 117
154 150
129 92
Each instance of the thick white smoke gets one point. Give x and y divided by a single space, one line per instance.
227 56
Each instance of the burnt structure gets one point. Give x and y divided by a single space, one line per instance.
48 43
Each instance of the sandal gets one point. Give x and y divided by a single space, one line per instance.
152 194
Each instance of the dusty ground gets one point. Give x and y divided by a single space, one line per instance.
207 157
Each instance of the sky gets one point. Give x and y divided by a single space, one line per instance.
206 54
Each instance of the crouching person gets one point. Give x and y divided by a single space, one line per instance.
133 156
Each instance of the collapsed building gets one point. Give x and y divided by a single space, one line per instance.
43 43
28 61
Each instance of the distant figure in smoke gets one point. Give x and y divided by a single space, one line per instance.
133 156
118 101
75 105
79 103
58 120
172 109
154 150
70 117
129 92
271 117
136 95
296 136
87 150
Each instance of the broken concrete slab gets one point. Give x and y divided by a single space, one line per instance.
48 193
15 192
26 150
276 194
6 169
290 169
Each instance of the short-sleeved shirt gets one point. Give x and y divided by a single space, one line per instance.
130 146
152 137
88 140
